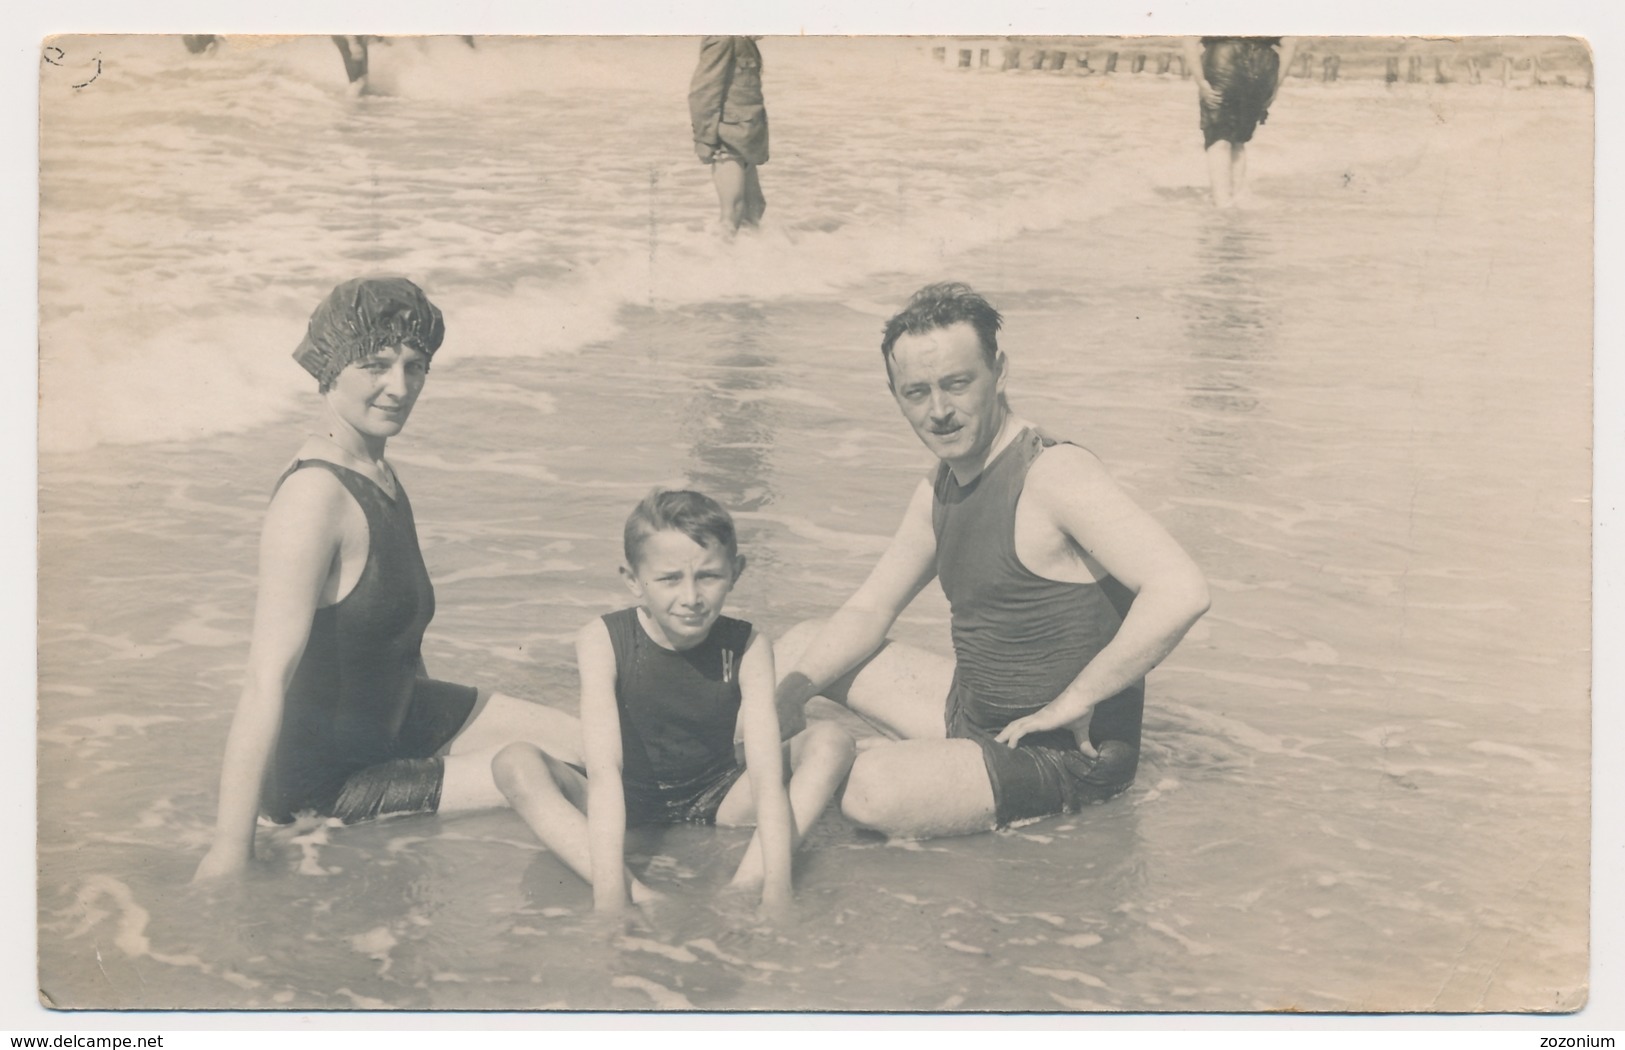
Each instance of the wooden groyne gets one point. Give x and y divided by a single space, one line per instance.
1507 62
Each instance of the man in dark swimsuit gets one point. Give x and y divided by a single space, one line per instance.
1064 594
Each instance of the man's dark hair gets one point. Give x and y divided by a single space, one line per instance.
697 516
939 306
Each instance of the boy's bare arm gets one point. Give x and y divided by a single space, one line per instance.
601 744
764 759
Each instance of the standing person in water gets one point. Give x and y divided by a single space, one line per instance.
730 125
666 685
1236 81
338 716
1063 594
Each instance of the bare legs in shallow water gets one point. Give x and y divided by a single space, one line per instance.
739 193
919 784
1226 171
551 797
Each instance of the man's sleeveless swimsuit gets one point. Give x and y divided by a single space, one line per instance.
1244 69
678 713
1019 640
360 728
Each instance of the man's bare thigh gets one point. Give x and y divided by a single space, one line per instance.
902 689
921 789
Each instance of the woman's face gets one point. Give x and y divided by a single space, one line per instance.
375 395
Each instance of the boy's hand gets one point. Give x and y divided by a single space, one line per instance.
790 701
777 908
218 864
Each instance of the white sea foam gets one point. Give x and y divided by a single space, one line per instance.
245 183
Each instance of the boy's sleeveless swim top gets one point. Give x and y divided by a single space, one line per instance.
678 709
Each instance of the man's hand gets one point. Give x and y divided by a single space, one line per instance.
790 700
1043 720
1210 95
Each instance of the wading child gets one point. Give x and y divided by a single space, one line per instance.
664 686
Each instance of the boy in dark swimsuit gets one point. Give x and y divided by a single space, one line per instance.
664 686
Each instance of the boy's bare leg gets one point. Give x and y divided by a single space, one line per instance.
548 795
818 759
902 690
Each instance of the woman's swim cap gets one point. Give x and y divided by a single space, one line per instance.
362 317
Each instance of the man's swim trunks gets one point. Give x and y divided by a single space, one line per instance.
360 728
1245 71
678 711
1019 640
725 101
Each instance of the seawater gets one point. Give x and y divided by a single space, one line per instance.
1362 404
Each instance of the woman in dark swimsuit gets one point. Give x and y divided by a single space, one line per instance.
337 715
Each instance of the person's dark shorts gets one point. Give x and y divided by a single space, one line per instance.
410 781
1244 72
693 801
1046 773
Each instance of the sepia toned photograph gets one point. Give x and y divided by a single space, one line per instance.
1054 524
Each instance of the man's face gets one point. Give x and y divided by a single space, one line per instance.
948 393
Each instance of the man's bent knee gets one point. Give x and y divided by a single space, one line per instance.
825 743
870 800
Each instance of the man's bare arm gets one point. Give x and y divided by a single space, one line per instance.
859 627
1073 492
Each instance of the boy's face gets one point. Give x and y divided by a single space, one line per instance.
682 585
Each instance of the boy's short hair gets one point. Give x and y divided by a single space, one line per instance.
694 514
940 306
